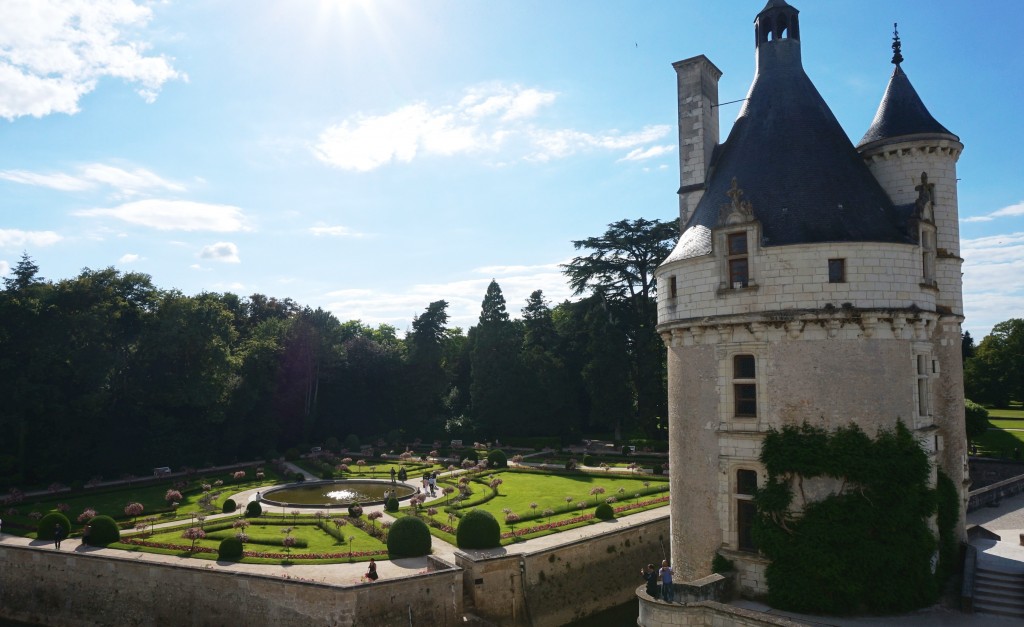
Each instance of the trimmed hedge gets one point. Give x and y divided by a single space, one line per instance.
604 511
229 506
497 459
45 528
230 549
478 529
103 530
391 505
408 537
253 509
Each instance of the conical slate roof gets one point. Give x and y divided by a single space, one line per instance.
902 113
804 179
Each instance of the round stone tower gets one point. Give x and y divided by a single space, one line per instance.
804 288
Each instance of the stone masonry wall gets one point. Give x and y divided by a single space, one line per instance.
76 589
564 583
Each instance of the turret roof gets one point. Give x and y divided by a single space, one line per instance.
902 113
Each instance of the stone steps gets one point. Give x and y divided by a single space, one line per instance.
999 593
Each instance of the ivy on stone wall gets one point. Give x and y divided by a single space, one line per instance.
868 547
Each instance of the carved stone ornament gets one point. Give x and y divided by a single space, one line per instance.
737 211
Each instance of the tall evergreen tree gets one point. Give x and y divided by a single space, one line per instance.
495 387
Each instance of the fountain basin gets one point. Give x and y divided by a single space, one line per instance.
335 493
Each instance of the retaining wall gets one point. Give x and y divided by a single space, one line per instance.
554 586
74 589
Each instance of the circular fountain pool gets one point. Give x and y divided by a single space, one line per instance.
339 493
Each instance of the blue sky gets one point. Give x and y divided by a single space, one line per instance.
372 156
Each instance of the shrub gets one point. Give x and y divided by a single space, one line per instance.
103 530
976 419
470 454
298 477
291 454
625 451
497 459
570 465
391 505
45 528
604 511
721 564
253 509
230 549
478 529
402 474
229 506
589 460
327 473
355 511
408 537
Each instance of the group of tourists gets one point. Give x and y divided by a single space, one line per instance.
430 483
664 574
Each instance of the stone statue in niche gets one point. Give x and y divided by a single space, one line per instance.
925 198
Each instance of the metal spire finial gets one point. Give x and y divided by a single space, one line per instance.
897 58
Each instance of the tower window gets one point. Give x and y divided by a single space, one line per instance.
746 511
672 287
739 275
744 386
837 271
923 366
928 255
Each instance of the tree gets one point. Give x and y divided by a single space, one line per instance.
428 381
966 346
620 269
976 419
995 374
24 275
495 388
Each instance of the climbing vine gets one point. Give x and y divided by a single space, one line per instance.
867 548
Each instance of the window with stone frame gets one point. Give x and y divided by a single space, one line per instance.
739 265
672 287
923 373
746 511
927 238
744 386
837 271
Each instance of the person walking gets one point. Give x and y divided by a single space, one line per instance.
667 591
58 535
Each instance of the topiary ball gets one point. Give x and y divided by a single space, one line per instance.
45 528
471 455
391 505
478 530
403 475
604 511
103 530
589 460
408 537
355 511
229 506
497 459
230 549
253 509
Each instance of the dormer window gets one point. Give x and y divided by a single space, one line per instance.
739 268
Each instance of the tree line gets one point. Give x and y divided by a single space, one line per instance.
994 369
107 373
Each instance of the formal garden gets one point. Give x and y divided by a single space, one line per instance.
193 514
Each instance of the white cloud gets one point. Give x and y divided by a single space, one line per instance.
5 268
641 154
993 280
464 296
15 238
486 119
1011 211
563 143
174 215
90 176
129 258
52 52
334 231
225 252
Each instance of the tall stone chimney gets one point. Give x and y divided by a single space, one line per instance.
697 84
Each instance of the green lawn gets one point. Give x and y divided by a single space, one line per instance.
569 495
1010 414
265 534
112 501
